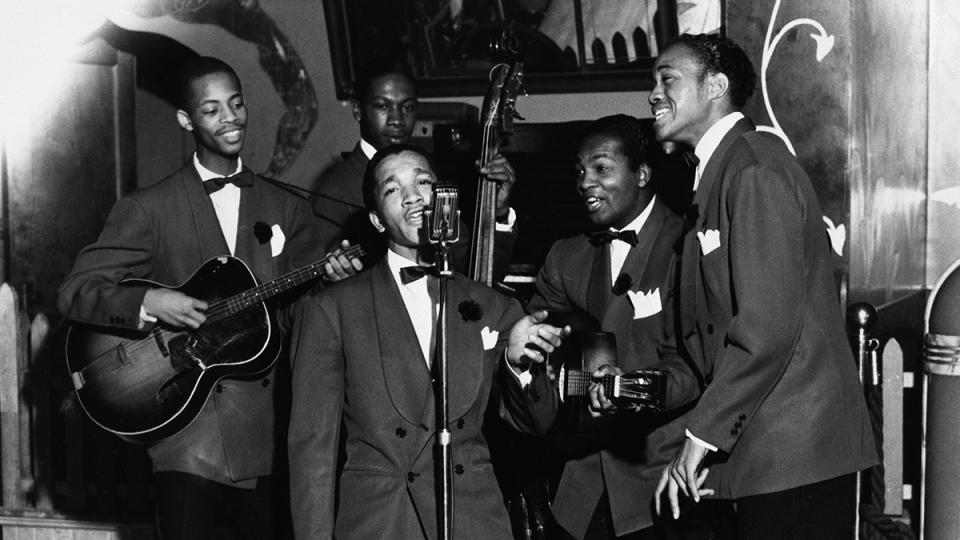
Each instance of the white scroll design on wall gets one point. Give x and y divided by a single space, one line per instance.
835 232
824 43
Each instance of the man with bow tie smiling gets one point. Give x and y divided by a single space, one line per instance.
618 277
212 206
363 369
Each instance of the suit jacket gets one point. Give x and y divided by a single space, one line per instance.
338 205
164 233
357 364
576 278
760 319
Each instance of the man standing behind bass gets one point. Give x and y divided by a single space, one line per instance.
781 426
212 206
618 277
363 372
385 107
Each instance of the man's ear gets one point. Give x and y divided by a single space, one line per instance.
644 175
184 120
717 85
375 221
355 105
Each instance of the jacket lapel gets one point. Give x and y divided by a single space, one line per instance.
465 354
209 235
690 259
249 247
407 378
599 288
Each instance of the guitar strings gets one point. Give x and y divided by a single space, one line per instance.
241 301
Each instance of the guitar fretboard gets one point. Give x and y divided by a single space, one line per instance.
261 293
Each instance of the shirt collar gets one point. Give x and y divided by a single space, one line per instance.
638 221
395 262
207 174
367 149
711 140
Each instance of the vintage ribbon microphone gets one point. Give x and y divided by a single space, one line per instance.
442 228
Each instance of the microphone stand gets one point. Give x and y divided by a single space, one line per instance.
441 235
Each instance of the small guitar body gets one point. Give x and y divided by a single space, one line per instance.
144 387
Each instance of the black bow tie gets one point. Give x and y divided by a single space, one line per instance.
409 274
241 179
690 159
605 237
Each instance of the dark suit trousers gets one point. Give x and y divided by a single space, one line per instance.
189 507
822 511
710 520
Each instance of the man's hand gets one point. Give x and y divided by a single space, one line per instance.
683 474
339 266
599 404
174 307
530 338
499 170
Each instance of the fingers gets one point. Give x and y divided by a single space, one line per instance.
674 499
499 169
661 486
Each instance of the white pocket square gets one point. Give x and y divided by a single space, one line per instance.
489 338
645 304
276 240
709 240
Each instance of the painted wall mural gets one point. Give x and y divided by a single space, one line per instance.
278 58
836 232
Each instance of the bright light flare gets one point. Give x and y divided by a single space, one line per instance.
38 38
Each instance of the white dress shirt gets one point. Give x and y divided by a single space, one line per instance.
416 297
620 249
226 202
711 140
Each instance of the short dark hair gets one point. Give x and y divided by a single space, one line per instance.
193 69
370 177
376 68
628 131
718 54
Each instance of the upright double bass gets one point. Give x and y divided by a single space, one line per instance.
499 111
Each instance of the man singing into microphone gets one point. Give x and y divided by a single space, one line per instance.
363 360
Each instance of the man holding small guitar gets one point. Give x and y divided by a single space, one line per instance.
212 207
618 278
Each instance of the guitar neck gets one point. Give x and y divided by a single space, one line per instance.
261 293
485 218
644 387
577 383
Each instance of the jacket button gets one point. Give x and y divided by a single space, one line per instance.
733 431
709 328
742 417
265 383
460 423
219 388
410 477
400 433
458 469
738 424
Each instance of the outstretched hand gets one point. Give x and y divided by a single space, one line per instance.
530 338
